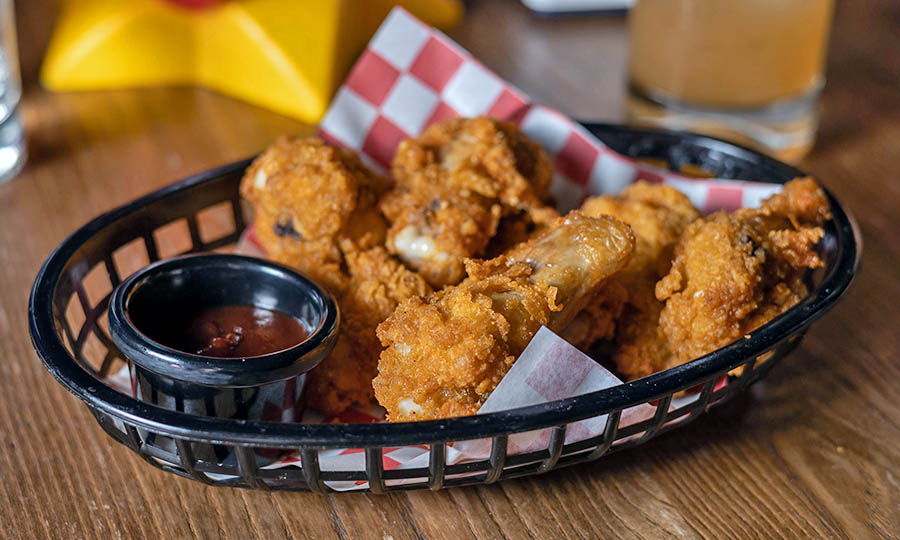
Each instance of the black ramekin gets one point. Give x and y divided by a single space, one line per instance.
254 388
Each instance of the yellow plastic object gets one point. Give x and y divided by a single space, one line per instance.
286 55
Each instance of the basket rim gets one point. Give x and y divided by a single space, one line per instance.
99 396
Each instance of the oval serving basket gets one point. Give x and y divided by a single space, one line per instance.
69 333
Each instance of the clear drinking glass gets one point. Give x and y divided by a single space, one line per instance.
747 70
12 139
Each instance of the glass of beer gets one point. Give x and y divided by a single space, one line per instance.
746 70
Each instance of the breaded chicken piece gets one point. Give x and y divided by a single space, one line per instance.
657 213
454 183
435 229
445 353
377 283
484 155
517 227
307 198
734 272
315 209
626 309
599 318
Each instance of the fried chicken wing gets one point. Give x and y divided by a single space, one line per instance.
734 272
377 283
307 198
625 308
454 183
517 227
657 213
445 353
315 209
435 229
483 155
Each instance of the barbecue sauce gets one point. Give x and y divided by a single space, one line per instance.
241 331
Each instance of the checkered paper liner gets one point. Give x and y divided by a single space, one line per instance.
411 76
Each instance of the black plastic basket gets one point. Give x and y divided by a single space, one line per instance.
75 347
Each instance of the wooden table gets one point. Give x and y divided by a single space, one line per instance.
810 452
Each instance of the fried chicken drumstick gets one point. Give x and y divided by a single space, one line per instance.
445 353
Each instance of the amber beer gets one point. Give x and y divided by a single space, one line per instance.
745 69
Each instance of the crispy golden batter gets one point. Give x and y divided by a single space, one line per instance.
625 308
307 197
435 229
454 183
445 353
517 227
599 318
377 283
657 213
315 208
483 155
640 347
734 272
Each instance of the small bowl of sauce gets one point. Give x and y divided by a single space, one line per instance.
222 335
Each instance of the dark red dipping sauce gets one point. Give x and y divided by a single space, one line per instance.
241 331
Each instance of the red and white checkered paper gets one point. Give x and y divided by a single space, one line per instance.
411 76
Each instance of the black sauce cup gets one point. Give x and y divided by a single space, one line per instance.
173 292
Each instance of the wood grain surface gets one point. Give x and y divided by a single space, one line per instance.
813 451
